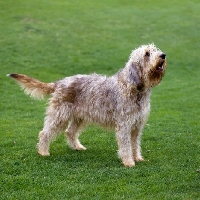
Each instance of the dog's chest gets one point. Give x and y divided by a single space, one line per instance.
137 106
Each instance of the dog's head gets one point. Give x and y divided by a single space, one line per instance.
146 66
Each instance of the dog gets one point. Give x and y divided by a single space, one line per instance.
121 101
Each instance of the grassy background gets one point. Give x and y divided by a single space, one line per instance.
53 39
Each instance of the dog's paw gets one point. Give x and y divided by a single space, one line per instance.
139 159
44 153
129 163
80 148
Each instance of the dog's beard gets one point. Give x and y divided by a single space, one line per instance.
156 73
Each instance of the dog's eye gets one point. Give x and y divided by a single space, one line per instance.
147 53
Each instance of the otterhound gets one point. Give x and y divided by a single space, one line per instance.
121 101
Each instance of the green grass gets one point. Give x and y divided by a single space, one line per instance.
53 39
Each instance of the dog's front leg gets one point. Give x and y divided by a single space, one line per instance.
124 144
135 140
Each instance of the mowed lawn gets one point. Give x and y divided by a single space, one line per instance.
51 39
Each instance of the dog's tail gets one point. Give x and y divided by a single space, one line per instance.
33 87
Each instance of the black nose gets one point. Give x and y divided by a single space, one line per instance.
163 56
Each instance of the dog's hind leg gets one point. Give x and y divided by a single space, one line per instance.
55 122
72 133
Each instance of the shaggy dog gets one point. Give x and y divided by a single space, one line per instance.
121 101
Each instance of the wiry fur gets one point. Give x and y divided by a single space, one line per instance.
121 101
33 87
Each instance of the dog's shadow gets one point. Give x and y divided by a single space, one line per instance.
93 157
100 152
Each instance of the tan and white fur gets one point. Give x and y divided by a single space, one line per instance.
121 101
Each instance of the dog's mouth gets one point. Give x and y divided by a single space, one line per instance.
160 66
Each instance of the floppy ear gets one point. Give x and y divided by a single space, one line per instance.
135 78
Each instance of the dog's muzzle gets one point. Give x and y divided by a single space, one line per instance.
163 56
160 66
